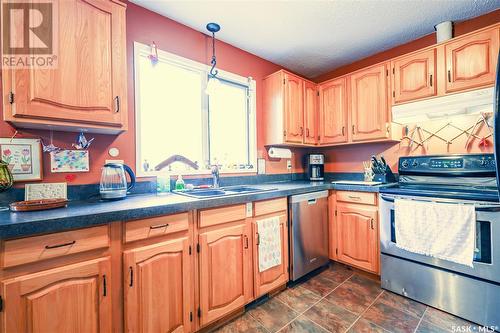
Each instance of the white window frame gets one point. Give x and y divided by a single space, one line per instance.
164 56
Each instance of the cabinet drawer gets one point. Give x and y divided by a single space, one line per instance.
31 249
357 197
156 226
270 206
216 216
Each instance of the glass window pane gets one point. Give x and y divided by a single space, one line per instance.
169 113
228 113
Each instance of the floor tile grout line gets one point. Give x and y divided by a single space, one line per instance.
258 321
307 309
421 319
365 310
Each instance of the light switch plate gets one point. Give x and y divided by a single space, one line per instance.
46 191
261 166
249 209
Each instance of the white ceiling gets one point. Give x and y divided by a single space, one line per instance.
313 37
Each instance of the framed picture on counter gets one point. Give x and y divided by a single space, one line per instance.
24 158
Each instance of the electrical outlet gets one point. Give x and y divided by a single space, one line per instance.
249 209
289 165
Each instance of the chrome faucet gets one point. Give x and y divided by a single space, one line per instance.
216 176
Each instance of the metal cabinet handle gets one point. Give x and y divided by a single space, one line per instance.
301 130
430 80
353 197
117 104
449 75
159 226
307 132
343 130
131 270
246 242
104 287
371 224
353 129
257 242
48 247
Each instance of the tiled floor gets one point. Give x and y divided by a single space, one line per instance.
338 300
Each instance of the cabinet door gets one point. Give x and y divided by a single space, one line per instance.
225 271
73 298
275 276
357 231
332 226
369 109
294 109
89 83
158 287
310 113
471 62
333 112
414 76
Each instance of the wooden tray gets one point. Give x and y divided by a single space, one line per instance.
43 204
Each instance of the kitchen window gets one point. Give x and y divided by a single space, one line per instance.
175 116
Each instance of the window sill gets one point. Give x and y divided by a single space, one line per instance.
142 174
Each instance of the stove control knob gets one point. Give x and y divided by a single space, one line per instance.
405 164
483 162
414 164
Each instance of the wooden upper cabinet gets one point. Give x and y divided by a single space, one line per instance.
87 89
369 107
310 113
333 116
158 287
471 61
414 76
72 298
276 276
294 108
357 235
225 271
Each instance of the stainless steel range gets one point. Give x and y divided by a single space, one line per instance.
472 293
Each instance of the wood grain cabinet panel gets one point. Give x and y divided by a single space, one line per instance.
224 271
414 76
471 61
369 107
333 113
88 87
276 276
294 109
158 287
357 236
310 113
73 298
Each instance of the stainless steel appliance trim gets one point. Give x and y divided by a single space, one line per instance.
308 196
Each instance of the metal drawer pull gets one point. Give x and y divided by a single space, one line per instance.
48 247
353 198
131 283
371 223
159 226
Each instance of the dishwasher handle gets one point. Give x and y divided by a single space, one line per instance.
312 201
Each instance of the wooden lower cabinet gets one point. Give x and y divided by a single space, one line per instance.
72 298
225 270
158 287
357 235
275 276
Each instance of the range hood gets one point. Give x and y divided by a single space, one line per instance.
466 103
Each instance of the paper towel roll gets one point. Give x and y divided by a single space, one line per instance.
275 152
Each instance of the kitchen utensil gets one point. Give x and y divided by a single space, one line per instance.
114 182
42 204
6 179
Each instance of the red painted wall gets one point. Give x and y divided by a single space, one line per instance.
349 158
145 26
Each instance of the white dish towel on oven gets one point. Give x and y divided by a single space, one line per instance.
269 242
440 230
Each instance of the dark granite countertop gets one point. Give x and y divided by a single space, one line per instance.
79 214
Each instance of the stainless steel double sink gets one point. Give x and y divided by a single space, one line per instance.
220 192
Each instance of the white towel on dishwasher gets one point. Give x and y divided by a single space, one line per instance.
442 230
269 242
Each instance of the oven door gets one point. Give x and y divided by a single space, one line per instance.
487 250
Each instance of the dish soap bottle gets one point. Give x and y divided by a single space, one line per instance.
179 183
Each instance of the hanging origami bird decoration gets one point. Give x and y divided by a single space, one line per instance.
82 142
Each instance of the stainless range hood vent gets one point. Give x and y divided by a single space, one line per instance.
466 103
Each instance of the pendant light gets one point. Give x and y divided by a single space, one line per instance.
213 82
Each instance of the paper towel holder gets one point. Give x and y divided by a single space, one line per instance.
277 152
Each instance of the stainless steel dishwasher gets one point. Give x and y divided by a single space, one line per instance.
308 232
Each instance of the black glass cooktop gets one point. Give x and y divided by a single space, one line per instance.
477 193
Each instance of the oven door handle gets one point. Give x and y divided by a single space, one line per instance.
479 208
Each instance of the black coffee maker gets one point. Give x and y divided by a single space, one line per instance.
315 166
